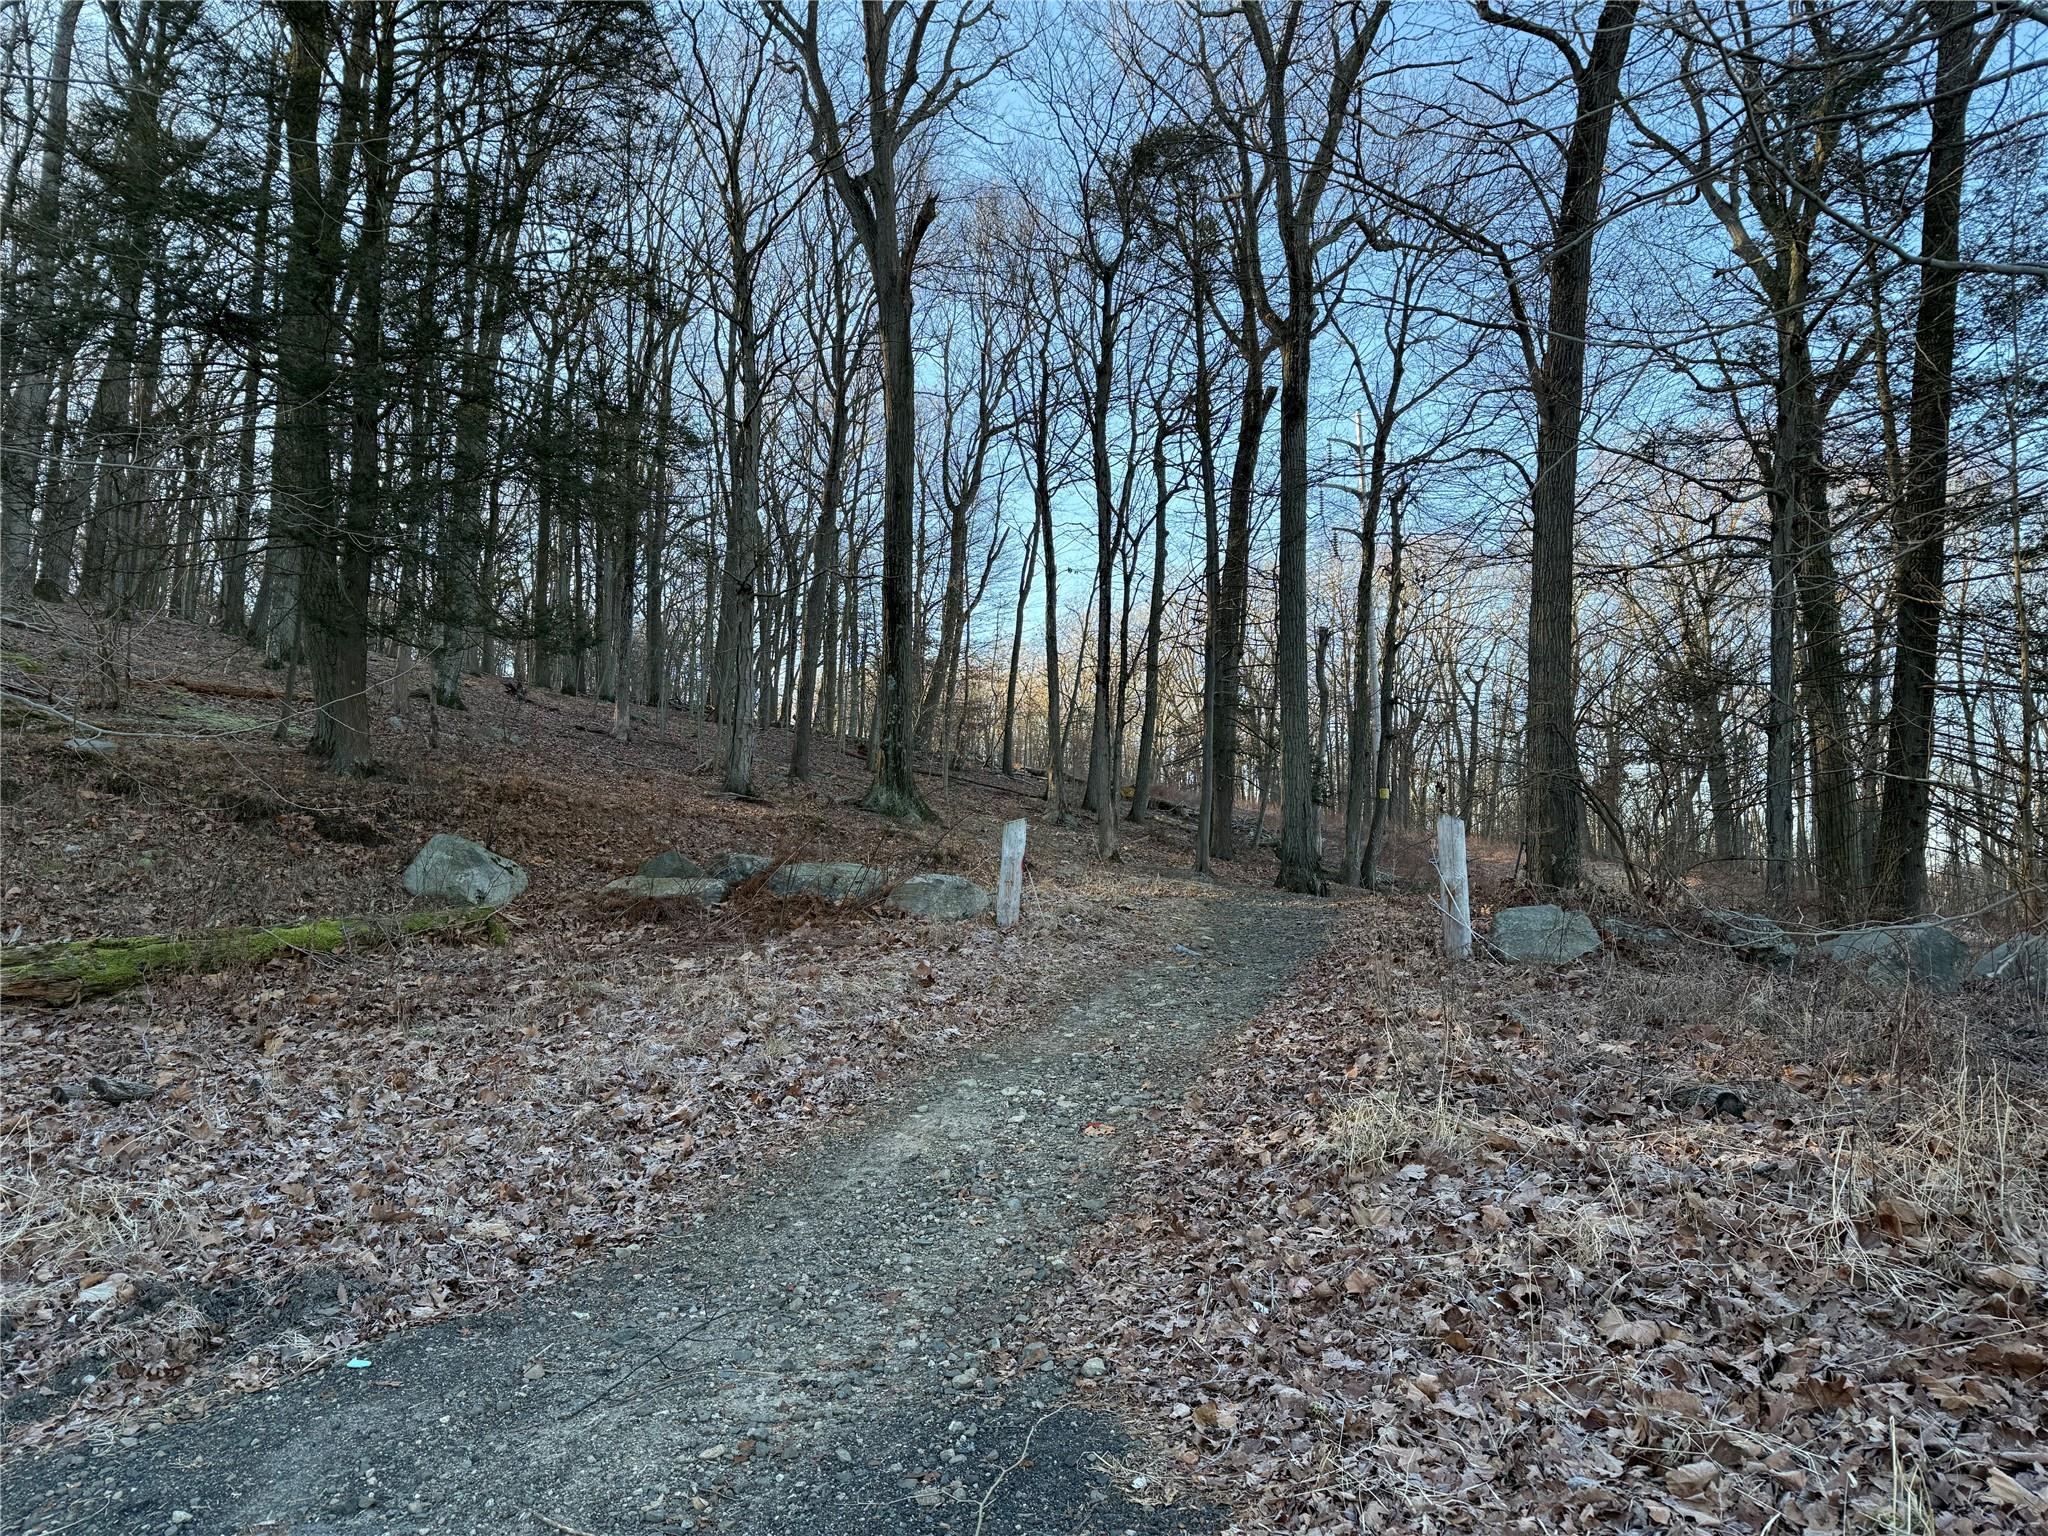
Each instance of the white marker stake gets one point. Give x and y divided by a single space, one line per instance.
1010 887
1456 891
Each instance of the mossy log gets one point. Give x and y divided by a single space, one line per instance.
72 969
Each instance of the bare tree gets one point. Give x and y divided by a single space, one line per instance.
27 403
913 68
1920 527
1308 71
757 177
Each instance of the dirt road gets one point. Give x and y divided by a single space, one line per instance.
825 1351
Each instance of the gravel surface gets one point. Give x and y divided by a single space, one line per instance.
849 1345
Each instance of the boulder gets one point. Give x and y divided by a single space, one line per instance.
1621 931
834 881
672 866
735 867
942 898
2017 962
453 869
670 888
1921 954
1752 937
1543 935
92 746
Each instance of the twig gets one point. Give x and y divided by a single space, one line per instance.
660 1354
1023 1455
560 1525
1921 1349
23 701
71 1524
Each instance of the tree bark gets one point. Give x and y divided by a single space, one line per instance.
235 568
1155 616
1553 813
1009 750
1383 755
28 403
1920 525
308 382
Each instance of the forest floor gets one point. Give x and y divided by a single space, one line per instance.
1481 1248
783 1217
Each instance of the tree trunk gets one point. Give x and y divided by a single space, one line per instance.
1041 495
1552 810
1102 764
308 383
1205 450
63 497
1148 728
1802 488
235 570
1300 859
734 678
27 407
1233 597
1920 525
894 791
1009 754
1383 755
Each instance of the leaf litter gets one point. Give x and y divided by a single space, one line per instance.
1431 1250
350 1144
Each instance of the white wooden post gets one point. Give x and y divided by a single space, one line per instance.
1455 892
1010 887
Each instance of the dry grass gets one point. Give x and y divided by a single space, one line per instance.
65 1232
1385 1126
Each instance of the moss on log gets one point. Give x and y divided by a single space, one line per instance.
67 971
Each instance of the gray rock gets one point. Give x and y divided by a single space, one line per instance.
92 746
832 881
1752 937
2017 962
672 866
455 869
1543 935
707 889
735 867
1922 954
1621 931
943 898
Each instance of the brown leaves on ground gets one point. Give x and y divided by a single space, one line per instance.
1432 1252
347 1144
343 1148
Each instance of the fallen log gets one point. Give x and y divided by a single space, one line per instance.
108 1090
216 690
64 972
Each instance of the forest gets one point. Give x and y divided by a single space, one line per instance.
1180 767
1611 428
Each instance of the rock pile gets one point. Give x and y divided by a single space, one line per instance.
1890 956
934 897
